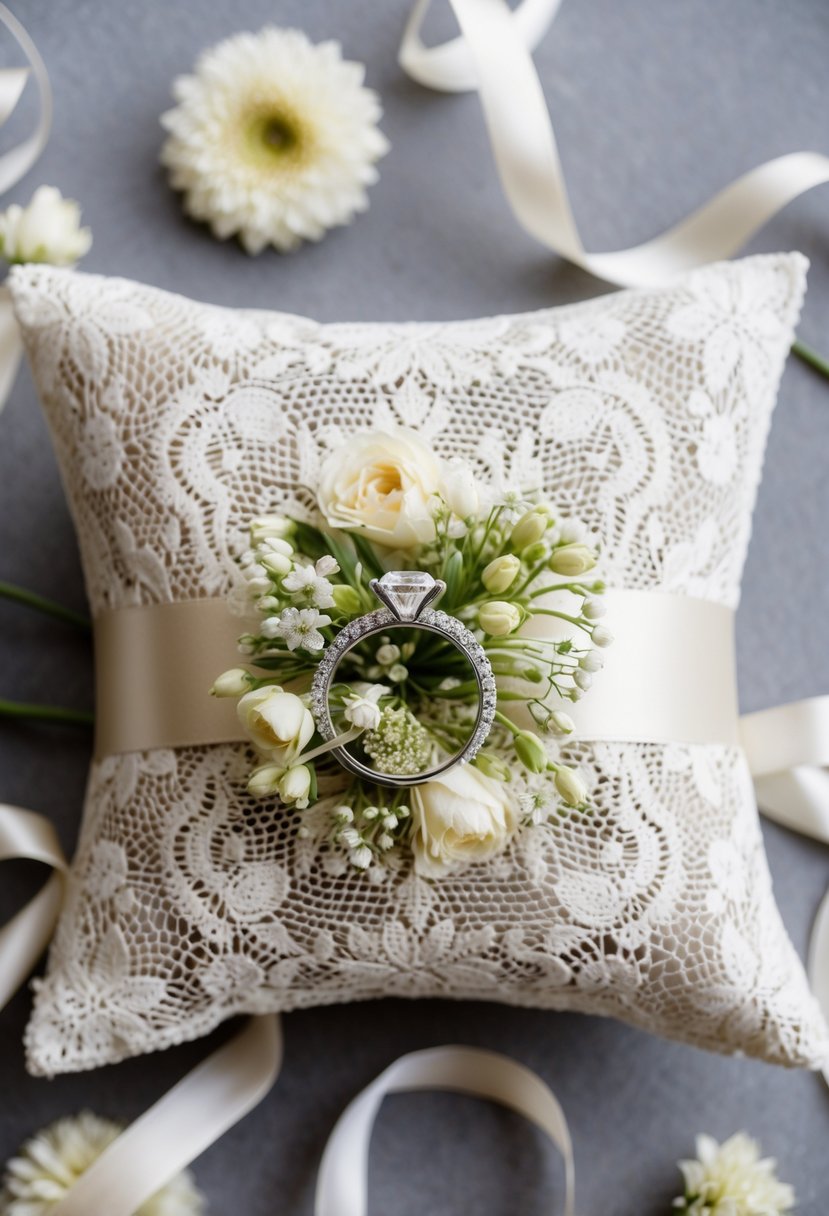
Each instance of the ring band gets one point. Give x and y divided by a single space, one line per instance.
406 597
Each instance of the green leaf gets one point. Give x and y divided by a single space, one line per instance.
453 577
367 555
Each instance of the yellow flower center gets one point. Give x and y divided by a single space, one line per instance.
275 137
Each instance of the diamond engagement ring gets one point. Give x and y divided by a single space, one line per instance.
406 597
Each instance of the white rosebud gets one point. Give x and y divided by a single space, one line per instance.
561 723
601 636
531 527
351 838
361 857
231 683
593 609
264 781
398 673
278 722
498 618
570 785
572 560
362 712
460 490
500 573
582 678
264 526
387 654
47 230
295 785
592 661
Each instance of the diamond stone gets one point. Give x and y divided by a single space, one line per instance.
406 592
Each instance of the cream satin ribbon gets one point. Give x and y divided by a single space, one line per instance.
155 663
493 56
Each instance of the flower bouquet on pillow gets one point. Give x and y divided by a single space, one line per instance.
405 702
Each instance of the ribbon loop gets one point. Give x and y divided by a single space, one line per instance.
342 1183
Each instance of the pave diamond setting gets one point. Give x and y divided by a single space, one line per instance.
406 596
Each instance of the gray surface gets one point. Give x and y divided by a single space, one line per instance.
657 105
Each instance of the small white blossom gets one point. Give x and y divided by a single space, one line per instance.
389 822
385 842
371 812
593 609
583 679
602 636
300 627
592 661
398 672
362 708
344 814
351 838
310 582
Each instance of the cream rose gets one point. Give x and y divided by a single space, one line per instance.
459 818
382 483
278 722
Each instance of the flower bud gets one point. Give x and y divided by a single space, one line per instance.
572 560
536 553
295 785
572 531
460 490
385 842
582 678
533 675
371 812
560 722
601 636
531 751
387 654
343 814
350 837
398 673
270 525
361 857
570 785
493 766
498 618
346 598
264 781
500 573
593 609
276 563
231 683
592 661
531 527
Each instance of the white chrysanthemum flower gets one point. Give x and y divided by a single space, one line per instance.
49 1164
731 1179
273 138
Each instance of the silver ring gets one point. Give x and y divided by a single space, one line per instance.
406 596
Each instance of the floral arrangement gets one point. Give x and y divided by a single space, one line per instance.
273 138
509 562
49 1164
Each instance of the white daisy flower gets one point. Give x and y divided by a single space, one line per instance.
51 1162
273 138
301 627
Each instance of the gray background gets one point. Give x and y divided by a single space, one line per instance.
657 106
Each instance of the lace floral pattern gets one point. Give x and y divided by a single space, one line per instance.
645 414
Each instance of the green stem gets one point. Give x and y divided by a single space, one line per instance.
31 599
46 713
811 357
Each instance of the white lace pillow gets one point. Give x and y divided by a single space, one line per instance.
644 413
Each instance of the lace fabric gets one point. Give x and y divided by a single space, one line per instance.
644 413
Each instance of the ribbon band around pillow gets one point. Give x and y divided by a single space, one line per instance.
669 676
